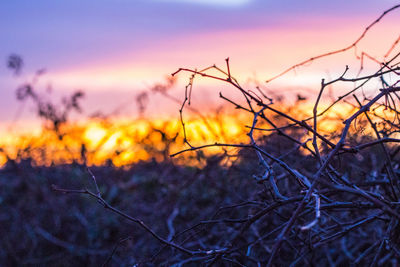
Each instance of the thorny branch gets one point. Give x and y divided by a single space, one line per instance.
353 45
320 188
327 184
139 222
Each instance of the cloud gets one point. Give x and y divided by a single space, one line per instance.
223 3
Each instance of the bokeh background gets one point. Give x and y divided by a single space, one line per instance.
114 51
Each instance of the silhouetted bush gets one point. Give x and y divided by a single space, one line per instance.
293 193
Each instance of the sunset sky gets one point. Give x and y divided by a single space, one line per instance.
114 49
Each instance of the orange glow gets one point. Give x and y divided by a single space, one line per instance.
125 142
122 142
94 133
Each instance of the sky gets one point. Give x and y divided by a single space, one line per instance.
115 49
